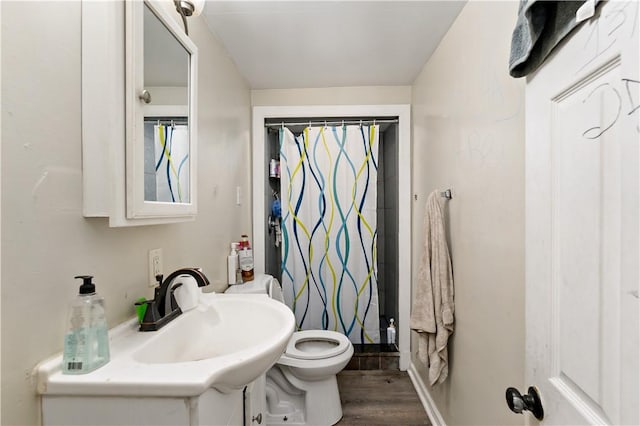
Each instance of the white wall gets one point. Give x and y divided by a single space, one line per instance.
468 135
45 239
361 95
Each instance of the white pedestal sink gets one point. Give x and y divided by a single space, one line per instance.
225 343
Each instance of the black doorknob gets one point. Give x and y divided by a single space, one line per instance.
528 402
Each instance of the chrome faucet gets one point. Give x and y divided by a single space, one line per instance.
164 308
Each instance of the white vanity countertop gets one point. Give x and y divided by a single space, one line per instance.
235 319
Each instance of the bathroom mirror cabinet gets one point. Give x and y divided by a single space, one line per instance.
139 121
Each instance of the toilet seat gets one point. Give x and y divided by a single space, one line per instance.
331 344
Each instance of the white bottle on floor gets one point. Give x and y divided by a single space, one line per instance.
391 332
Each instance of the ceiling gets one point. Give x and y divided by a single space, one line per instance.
311 44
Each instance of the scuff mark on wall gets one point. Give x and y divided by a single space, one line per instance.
38 184
58 189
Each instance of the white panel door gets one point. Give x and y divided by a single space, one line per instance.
582 223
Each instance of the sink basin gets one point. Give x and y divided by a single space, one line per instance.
198 334
225 343
238 327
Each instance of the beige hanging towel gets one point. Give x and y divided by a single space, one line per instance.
432 311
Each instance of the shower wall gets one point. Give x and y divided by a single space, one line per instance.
273 256
388 227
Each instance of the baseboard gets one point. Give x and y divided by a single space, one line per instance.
423 393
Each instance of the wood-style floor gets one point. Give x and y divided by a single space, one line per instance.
379 397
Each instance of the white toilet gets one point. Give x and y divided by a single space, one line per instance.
302 388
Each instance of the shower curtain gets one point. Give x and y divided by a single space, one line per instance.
171 153
329 231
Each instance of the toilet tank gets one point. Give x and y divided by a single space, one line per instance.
275 290
259 285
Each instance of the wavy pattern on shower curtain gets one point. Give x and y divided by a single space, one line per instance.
171 148
329 230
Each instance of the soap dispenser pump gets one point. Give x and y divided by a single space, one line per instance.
86 344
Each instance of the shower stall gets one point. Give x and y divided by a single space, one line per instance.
274 221
331 131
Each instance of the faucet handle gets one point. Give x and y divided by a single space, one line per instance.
151 314
172 296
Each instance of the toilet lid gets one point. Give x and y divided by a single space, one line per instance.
316 344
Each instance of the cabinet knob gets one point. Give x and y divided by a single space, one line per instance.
145 96
257 419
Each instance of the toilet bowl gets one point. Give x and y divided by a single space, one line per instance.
302 388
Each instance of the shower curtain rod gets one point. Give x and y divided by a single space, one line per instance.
316 123
167 122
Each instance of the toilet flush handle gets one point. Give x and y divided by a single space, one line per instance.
257 419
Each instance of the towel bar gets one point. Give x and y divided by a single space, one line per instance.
446 194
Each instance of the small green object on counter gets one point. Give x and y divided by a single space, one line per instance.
141 308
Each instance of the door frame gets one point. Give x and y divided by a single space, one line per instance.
403 112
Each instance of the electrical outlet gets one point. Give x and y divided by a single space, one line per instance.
155 265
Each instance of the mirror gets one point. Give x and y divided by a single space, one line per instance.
121 166
161 137
166 114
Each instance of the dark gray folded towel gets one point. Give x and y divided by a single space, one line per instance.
541 25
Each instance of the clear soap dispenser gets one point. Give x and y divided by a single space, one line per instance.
86 344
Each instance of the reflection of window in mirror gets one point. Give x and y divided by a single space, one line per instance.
166 114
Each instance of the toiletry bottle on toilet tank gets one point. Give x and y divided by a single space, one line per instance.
86 344
245 256
232 265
